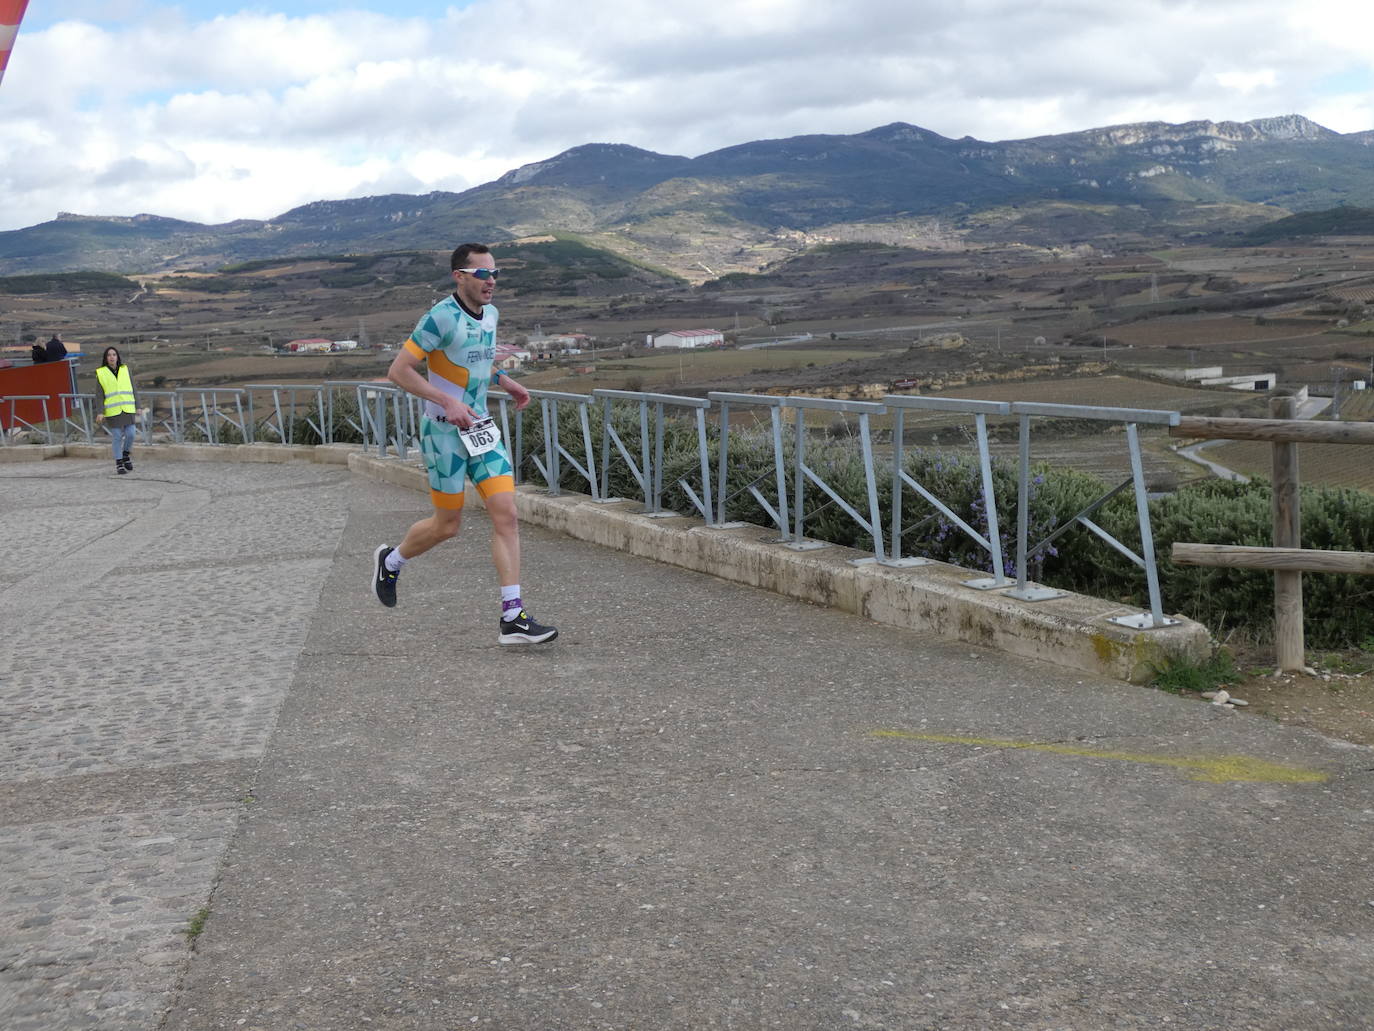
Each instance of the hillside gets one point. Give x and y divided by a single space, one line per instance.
1342 221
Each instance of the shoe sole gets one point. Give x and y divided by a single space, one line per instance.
528 638
377 575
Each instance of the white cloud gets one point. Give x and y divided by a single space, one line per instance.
248 114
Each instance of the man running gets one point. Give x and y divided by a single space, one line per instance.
457 340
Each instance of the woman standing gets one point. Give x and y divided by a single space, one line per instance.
116 399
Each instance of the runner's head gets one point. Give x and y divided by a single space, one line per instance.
470 263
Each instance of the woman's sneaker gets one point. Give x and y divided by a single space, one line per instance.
522 629
383 579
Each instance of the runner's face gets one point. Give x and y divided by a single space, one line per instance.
473 291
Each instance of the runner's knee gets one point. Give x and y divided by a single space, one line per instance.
447 523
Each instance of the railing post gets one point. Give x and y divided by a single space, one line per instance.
798 478
1287 510
1147 540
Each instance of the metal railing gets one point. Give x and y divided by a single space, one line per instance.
389 417
549 459
388 420
648 473
212 417
515 446
900 404
1132 417
280 421
801 472
83 406
173 423
723 494
13 424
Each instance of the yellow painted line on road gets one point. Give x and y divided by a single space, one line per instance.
1220 769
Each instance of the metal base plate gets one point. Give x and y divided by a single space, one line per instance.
727 526
903 563
805 545
608 501
1142 621
986 583
863 561
1035 593
662 515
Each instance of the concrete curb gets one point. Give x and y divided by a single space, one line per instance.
330 454
1071 631
15 453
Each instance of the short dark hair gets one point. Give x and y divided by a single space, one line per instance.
464 250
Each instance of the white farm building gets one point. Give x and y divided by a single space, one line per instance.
689 338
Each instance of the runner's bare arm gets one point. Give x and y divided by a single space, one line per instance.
405 373
517 392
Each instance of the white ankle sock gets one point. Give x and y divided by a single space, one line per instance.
394 560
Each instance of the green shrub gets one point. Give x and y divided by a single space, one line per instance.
1337 607
1180 674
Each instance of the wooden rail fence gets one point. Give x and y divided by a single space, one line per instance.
1287 558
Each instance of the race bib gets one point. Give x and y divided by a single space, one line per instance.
480 437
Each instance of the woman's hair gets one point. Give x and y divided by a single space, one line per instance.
105 357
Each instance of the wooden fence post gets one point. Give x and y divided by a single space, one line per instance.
1287 509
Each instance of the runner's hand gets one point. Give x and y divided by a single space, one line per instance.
517 393
458 414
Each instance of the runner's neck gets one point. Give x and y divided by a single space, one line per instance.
475 314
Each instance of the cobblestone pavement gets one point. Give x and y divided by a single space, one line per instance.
159 617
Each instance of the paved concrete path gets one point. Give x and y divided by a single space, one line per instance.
703 807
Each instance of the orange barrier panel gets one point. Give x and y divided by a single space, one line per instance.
50 378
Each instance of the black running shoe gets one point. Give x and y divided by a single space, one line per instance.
128 463
383 579
522 629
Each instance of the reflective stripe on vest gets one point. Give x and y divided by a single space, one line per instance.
119 390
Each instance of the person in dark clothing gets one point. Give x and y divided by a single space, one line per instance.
57 350
39 354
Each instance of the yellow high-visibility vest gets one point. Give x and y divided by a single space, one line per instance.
119 390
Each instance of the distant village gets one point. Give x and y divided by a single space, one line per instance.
539 346
509 357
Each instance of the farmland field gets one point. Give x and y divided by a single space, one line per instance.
1114 391
1319 465
666 369
1358 406
1217 331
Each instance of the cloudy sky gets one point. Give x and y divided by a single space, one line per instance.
212 110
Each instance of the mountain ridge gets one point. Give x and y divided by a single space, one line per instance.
740 206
